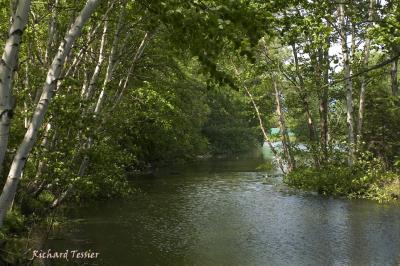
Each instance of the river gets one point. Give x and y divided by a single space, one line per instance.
226 212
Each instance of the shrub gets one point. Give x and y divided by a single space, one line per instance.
368 178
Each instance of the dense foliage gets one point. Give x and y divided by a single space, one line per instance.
149 83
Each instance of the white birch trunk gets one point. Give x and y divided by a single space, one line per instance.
7 65
348 85
312 132
52 30
137 56
82 52
361 106
111 62
110 69
266 137
13 9
26 105
95 76
393 75
29 140
282 126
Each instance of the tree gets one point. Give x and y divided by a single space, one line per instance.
10 188
8 65
348 83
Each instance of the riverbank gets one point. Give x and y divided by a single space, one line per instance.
336 180
368 178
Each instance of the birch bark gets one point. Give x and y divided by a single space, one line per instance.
110 68
89 91
29 140
282 126
7 65
361 106
137 56
323 106
348 84
393 74
111 62
52 30
310 121
266 137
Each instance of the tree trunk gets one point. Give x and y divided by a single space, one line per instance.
110 68
53 75
52 31
7 67
348 85
361 105
89 91
323 106
284 134
266 137
137 56
26 105
393 75
13 9
111 62
312 132
310 121
46 147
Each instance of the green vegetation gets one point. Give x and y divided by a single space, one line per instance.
361 181
134 85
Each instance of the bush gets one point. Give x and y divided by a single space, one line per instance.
366 179
328 180
14 222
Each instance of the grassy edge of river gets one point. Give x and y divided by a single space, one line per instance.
342 181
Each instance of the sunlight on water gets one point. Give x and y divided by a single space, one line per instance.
224 213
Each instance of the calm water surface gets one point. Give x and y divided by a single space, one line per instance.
225 212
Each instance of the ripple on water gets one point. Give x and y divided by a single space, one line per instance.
234 218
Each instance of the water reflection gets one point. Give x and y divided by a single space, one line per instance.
222 213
